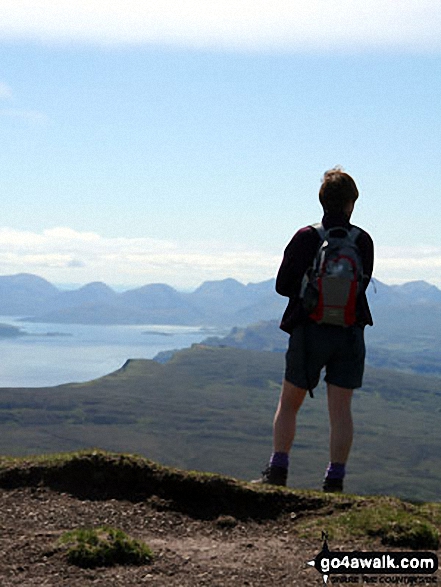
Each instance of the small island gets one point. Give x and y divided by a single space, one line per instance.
8 331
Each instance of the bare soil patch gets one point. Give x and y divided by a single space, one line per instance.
187 551
203 530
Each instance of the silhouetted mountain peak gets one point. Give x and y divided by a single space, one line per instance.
27 280
419 291
98 286
221 287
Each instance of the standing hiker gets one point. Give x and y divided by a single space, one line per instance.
325 271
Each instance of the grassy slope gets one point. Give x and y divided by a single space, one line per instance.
211 409
410 346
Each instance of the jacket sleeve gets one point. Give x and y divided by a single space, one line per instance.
366 247
297 258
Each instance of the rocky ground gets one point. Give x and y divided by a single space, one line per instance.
187 551
196 542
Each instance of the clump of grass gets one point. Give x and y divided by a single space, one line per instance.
104 547
396 526
395 523
407 531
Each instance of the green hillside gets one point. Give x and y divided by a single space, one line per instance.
410 345
211 409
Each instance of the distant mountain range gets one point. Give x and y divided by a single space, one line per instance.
226 302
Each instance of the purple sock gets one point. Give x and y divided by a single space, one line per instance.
279 459
335 471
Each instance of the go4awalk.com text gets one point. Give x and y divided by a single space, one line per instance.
376 568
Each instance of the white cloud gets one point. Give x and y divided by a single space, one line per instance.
230 24
402 264
64 255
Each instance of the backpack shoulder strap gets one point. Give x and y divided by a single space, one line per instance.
318 227
354 233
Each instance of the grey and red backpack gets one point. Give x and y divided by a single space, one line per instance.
331 286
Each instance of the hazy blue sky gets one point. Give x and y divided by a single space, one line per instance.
184 140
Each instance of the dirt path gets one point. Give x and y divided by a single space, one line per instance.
188 552
204 530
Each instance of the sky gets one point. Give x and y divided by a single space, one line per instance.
182 141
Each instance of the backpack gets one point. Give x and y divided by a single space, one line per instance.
331 286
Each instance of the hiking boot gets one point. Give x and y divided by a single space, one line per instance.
333 485
273 475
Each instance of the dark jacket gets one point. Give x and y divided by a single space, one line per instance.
299 256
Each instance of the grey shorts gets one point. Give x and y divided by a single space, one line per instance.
314 346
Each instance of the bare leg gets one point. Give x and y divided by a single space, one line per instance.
291 398
340 419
